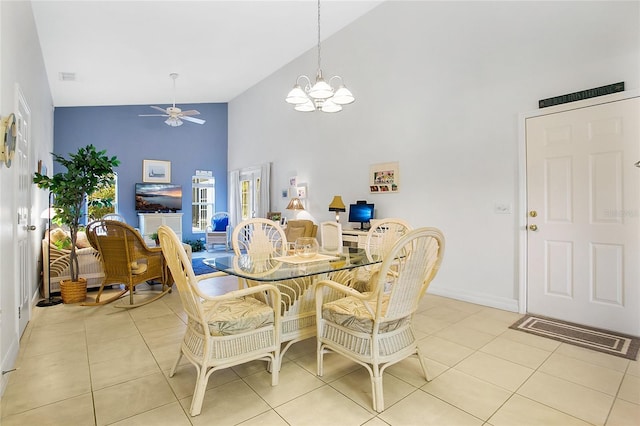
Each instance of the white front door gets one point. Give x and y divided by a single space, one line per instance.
24 270
583 215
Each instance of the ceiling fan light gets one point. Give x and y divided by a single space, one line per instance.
343 96
305 107
173 122
297 96
330 106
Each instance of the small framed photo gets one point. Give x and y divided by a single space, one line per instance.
275 216
384 177
302 191
156 171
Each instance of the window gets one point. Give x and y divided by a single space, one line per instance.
203 206
94 206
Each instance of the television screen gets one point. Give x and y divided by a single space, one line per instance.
362 213
158 197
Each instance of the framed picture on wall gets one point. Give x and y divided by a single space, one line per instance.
156 171
301 191
384 178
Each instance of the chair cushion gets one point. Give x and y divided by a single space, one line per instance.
60 239
294 233
351 313
220 223
81 240
237 316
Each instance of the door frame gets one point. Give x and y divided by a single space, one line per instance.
522 178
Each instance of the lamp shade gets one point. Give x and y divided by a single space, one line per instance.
297 96
329 106
308 106
295 204
343 96
49 213
321 90
337 205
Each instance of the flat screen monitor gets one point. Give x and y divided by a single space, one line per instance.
361 213
158 197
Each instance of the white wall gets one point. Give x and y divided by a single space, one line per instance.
21 63
439 87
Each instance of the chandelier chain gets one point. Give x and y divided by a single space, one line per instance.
319 65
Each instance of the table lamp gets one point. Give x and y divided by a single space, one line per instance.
295 204
337 206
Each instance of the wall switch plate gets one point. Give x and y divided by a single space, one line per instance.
502 208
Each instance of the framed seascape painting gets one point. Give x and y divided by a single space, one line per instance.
156 171
384 178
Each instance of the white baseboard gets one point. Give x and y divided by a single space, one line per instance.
478 298
8 363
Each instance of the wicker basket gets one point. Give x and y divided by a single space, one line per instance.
73 292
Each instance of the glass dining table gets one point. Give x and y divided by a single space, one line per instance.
295 277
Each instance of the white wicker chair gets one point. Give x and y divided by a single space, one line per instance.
331 236
381 237
222 331
216 236
263 239
375 328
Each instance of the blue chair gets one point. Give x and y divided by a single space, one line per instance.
219 232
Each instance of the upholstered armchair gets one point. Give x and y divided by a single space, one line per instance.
300 228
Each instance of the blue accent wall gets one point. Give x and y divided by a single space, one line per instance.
120 131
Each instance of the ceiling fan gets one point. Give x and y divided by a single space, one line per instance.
174 114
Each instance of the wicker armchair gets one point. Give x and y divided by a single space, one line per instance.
264 239
331 236
382 235
126 260
375 328
222 331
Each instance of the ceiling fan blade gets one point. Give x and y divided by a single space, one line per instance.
159 109
193 120
191 112
152 115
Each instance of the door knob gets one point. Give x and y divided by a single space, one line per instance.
31 228
533 227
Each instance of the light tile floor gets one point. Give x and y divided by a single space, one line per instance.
108 366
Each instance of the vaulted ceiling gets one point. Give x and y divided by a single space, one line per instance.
122 52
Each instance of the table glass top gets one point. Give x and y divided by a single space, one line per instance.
287 267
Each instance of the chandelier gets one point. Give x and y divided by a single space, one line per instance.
320 96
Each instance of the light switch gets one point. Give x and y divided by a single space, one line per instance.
502 208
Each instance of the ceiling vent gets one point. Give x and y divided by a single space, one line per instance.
67 76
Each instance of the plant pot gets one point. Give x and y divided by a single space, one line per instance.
73 291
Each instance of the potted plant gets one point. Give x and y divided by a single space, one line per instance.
87 171
154 237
